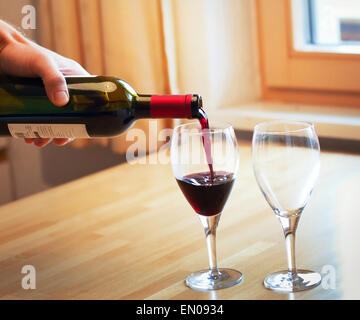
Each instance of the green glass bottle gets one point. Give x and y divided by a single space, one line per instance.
99 106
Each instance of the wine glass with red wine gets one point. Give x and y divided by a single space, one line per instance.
286 162
205 163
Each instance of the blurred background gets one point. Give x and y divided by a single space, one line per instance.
251 60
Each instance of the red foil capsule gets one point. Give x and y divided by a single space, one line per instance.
170 106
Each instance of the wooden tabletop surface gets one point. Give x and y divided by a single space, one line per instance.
128 233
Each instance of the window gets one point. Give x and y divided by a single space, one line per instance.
326 25
302 58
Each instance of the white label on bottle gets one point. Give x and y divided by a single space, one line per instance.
47 130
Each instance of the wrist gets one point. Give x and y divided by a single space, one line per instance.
4 36
8 35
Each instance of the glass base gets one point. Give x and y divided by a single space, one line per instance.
283 281
204 280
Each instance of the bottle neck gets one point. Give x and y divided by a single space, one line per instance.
167 106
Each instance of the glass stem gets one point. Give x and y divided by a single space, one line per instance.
289 225
210 224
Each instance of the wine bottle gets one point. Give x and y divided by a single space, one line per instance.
99 106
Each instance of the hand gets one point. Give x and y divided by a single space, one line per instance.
22 57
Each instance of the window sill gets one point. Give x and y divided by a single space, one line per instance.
330 121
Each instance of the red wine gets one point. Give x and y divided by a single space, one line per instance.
99 106
204 123
207 195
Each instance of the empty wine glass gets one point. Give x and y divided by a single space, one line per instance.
205 163
286 163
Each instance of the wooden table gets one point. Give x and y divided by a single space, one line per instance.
128 233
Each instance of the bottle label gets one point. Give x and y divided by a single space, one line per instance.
47 130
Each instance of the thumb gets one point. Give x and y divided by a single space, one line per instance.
54 82
55 86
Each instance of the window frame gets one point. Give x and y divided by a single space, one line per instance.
301 76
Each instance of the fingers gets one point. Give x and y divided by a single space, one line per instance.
42 142
56 90
29 140
62 141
